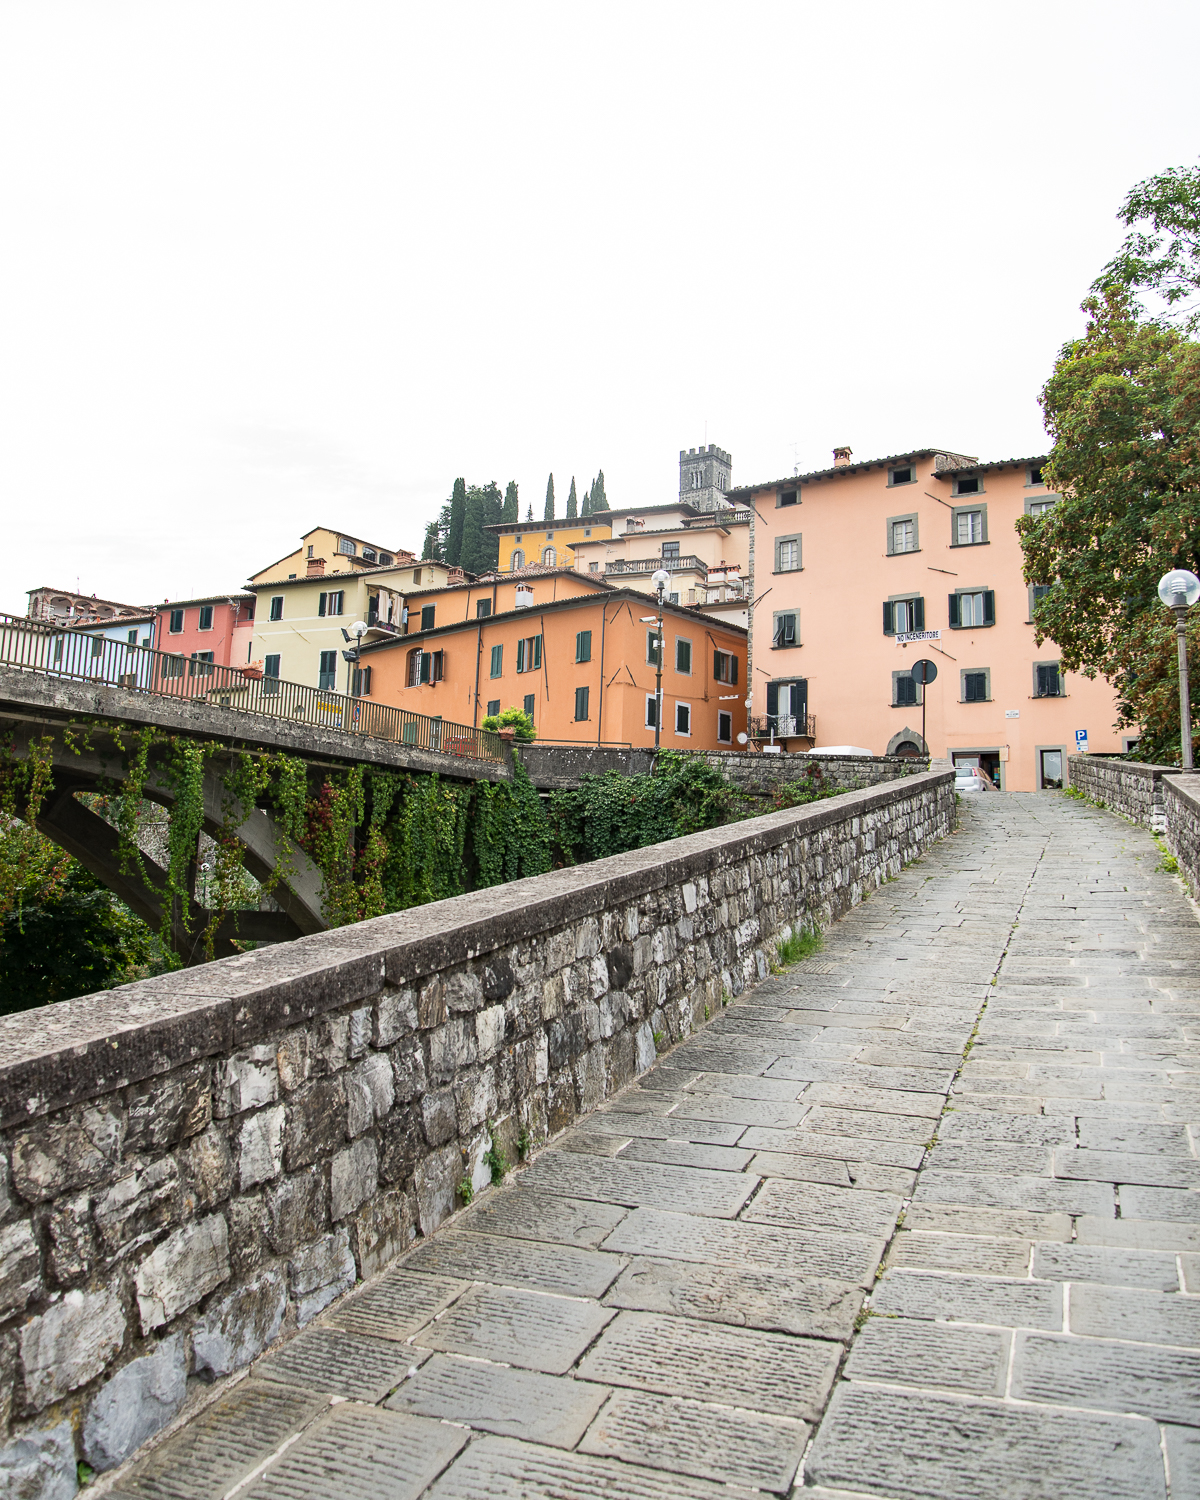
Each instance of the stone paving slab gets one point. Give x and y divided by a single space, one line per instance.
752 1299
567 1269
637 1184
395 1305
341 1363
1162 1383
525 1213
900 1351
531 1330
1008 1302
361 1453
495 1398
1115 1267
769 1372
495 1468
922 1446
811 1205
1112 1312
710 1442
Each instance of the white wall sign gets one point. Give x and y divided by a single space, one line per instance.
1012 713
904 636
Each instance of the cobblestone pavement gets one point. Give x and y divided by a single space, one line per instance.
670 1300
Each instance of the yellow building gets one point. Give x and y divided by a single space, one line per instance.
549 544
341 553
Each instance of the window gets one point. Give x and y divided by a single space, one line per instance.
549 557
725 667
583 645
901 616
787 554
418 668
417 572
497 661
652 647
360 686
581 704
902 535
789 497
1036 591
975 687
904 690
724 727
369 554
327 675
673 598
270 674
332 603
438 666
517 560
969 528
493 707
1051 769
529 653
906 474
587 531
549 536
131 637
276 606
97 645
697 479
1047 683
651 712
683 718
1040 507
346 546
683 656
670 551
385 560
787 706
427 613
593 567
970 611
530 703
483 608
968 485
176 625
173 666
1035 474
309 552
206 617
783 630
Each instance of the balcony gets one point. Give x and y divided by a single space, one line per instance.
652 565
784 727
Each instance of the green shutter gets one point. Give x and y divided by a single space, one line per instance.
989 606
321 602
521 655
889 618
918 614
537 652
954 609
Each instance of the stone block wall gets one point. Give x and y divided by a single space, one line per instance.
1128 787
1182 799
192 1164
756 772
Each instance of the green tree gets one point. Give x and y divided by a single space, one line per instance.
511 510
432 550
473 555
512 718
599 498
458 516
572 502
549 511
1161 253
1123 408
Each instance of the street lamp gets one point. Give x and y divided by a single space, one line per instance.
660 580
357 630
1179 590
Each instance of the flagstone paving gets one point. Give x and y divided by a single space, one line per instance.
919 1217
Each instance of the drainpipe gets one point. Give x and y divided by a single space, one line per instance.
600 705
478 655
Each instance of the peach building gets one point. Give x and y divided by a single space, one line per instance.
582 664
861 569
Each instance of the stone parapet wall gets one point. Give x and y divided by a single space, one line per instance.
1128 787
191 1165
1182 797
758 772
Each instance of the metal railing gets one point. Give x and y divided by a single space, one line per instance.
33 646
784 727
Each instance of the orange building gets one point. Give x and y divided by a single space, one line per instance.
582 664
863 568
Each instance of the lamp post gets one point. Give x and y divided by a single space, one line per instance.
356 631
1179 590
660 580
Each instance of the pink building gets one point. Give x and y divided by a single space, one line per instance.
217 629
861 569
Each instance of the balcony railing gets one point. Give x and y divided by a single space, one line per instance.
652 565
784 727
52 651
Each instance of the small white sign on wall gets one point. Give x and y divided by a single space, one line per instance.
1012 713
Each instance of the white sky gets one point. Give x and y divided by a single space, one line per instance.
265 266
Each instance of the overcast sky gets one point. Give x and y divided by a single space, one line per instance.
269 266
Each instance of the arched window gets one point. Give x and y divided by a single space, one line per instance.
549 557
518 560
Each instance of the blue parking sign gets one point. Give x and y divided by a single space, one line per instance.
1081 739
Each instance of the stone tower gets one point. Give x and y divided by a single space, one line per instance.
705 474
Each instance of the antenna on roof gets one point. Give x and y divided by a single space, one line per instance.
795 458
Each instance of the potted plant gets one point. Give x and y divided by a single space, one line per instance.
254 670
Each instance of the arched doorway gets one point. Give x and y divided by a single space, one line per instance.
907 742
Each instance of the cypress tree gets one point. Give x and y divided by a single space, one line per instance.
432 551
458 515
549 512
472 556
572 502
493 514
599 498
511 510
529 514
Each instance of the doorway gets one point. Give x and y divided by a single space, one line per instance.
988 761
1050 770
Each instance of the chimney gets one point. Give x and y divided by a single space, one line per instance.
316 567
841 456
